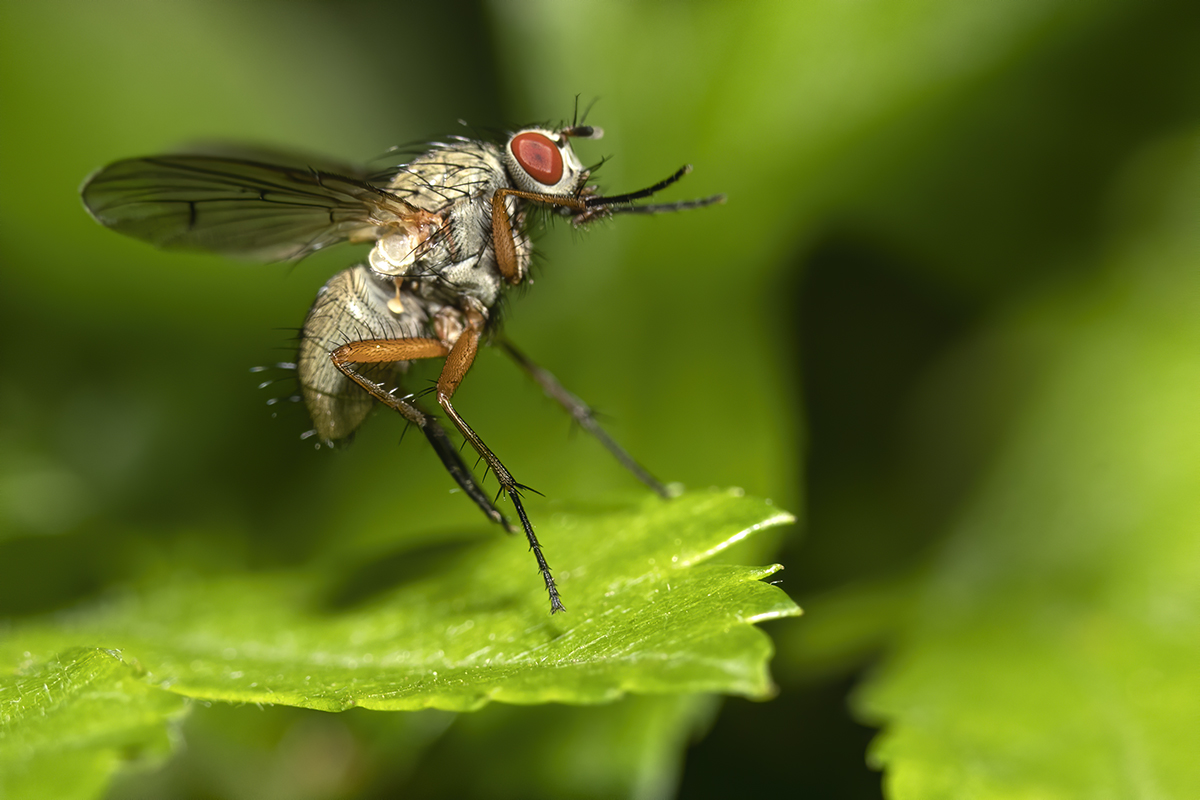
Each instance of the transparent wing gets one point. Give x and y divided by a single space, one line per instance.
238 205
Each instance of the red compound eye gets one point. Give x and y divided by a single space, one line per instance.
538 156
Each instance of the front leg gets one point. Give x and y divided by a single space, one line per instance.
583 414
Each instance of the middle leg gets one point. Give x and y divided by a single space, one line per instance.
458 361
370 351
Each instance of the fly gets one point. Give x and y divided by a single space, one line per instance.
450 236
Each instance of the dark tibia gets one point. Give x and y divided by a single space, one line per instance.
583 414
453 463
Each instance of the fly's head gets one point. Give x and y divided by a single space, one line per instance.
541 160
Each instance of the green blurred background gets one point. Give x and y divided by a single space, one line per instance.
901 176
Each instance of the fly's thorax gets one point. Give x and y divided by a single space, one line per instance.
446 245
475 280
450 174
435 269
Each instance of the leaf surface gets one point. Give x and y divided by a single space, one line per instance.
468 624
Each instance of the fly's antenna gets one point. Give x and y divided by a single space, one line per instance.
629 197
668 208
623 200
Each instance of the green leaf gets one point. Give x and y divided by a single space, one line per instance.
1055 654
66 724
644 615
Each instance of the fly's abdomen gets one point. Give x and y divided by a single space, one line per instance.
352 306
